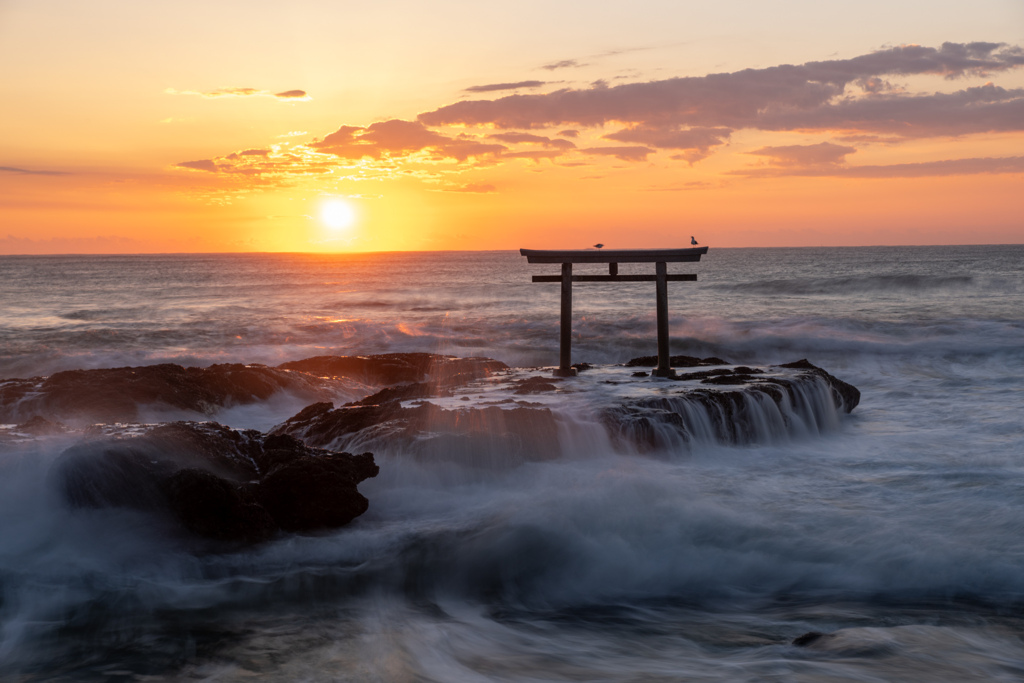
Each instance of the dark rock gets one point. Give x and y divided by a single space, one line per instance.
535 385
675 361
847 396
809 638
217 509
218 483
641 374
582 367
40 426
395 368
116 394
314 494
484 436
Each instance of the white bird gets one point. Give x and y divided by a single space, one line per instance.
598 245
693 241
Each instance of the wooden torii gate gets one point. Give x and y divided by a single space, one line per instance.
613 257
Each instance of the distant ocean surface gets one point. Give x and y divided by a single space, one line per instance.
902 533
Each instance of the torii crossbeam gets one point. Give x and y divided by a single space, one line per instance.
613 257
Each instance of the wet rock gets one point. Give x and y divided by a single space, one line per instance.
40 426
535 385
675 361
846 395
313 494
809 638
641 374
117 394
477 436
396 368
218 483
217 509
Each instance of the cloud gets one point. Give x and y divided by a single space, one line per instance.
822 154
624 153
27 171
569 133
564 64
924 169
697 142
513 138
811 96
399 138
200 165
493 87
293 95
287 95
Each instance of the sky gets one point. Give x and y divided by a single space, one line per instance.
336 126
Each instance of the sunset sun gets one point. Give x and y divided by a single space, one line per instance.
337 214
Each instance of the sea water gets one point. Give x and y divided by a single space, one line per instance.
900 533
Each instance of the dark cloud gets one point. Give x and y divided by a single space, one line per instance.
292 95
822 154
513 138
697 142
493 87
624 153
569 133
200 165
811 96
564 64
924 169
27 171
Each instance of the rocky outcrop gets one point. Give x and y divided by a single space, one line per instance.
118 394
478 436
121 394
217 483
764 407
396 368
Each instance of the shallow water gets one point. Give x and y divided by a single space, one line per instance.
899 529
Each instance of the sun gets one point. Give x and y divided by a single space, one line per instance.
337 214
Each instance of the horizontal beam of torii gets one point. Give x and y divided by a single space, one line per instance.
613 257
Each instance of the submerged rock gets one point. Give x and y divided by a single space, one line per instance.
217 483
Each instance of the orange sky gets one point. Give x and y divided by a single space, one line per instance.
181 127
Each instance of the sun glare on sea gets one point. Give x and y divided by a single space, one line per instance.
337 214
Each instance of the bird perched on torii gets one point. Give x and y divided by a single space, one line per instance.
693 241
598 245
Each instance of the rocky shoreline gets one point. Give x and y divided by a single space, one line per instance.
234 487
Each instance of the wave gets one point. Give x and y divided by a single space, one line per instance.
849 284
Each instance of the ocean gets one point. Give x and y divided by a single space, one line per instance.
898 532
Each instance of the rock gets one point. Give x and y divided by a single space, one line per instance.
675 361
215 508
218 483
809 638
116 394
40 426
396 368
313 494
479 436
846 395
535 385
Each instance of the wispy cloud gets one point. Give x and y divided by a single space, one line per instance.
28 171
563 64
287 95
495 87
923 169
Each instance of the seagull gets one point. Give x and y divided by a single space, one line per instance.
598 245
693 241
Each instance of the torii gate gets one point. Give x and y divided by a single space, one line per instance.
613 257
